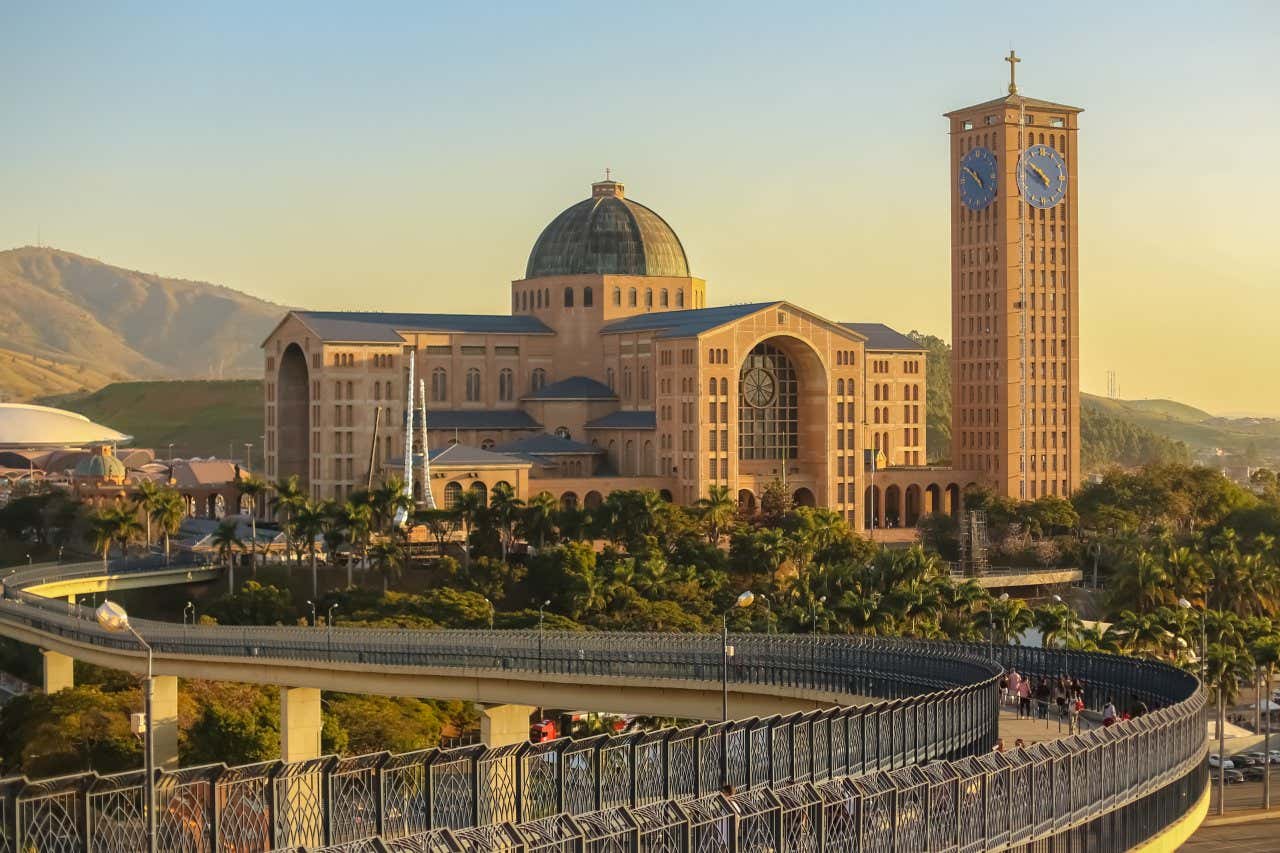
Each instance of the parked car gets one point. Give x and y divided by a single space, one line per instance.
1255 773
1242 760
1259 757
1231 777
1214 760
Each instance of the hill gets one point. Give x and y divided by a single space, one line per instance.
73 323
1202 432
199 416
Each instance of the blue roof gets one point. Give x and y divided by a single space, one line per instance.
480 419
683 324
881 337
574 388
625 420
381 327
545 445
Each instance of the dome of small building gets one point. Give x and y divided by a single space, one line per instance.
608 234
101 466
30 427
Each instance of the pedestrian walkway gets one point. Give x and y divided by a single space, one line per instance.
1032 730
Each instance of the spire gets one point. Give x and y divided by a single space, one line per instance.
1013 61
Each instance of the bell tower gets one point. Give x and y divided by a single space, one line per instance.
1015 293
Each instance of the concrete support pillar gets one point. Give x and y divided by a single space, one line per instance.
502 725
300 723
59 671
164 716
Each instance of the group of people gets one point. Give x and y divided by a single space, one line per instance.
1064 692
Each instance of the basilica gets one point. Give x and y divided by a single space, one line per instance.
613 369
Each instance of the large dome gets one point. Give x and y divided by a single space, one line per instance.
29 427
608 234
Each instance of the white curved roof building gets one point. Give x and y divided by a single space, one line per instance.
24 427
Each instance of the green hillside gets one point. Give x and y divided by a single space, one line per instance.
1200 431
199 416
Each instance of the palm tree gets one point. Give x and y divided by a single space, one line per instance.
356 520
1226 665
539 518
1142 583
147 499
111 524
225 541
505 509
1144 633
1093 639
309 521
466 509
439 523
169 511
252 487
1056 622
386 499
387 560
1265 651
716 512
289 499
1009 618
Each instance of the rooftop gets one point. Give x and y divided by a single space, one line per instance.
682 324
480 419
29 427
574 388
545 445
881 337
462 456
625 420
383 327
1016 100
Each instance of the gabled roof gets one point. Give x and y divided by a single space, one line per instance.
462 455
1015 100
479 419
683 324
625 420
382 327
545 445
574 388
881 337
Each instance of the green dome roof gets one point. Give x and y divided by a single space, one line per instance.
608 234
100 465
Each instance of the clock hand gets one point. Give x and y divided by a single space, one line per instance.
1039 172
975 177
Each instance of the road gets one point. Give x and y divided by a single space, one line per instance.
1259 837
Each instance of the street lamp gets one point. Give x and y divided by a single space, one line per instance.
312 605
541 607
190 608
332 607
768 614
492 612
814 607
113 617
1186 605
171 453
745 599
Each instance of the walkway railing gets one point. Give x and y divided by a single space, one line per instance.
912 772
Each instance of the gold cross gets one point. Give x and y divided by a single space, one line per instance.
1013 61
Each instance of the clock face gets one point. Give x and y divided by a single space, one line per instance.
1042 176
758 387
978 178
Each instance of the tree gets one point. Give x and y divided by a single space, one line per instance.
254 604
355 518
117 525
439 523
169 511
290 498
1009 619
1265 651
310 519
1226 665
147 499
225 541
252 487
468 506
1057 623
775 502
388 561
505 509
716 512
539 519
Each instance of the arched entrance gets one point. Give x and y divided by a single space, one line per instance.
911 509
933 498
592 500
783 422
953 500
569 501
746 502
893 507
803 497
293 417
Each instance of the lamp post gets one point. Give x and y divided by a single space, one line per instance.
171 453
768 614
541 614
745 599
1200 663
492 612
312 605
189 608
113 617
814 608
328 629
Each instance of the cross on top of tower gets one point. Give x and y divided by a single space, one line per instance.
1013 61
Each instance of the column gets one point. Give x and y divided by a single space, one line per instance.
300 723
164 717
501 725
59 671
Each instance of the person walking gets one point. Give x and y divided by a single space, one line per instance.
1014 683
1109 713
1024 699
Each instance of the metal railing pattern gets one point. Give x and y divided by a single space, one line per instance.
912 772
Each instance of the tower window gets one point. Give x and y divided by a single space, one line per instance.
617 296
587 297
568 297
537 379
631 297
506 384
439 385
473 385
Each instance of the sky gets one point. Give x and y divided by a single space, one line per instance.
406 156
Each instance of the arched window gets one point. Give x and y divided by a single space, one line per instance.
539 296
631 297
644 382
626 383
768 405
724 387
506 384
479 489
608 379
377 391
546 296
439 385
537 379
840 387
877 414
524 301
679 298
388 390
452 492
562 432
487 444
473 385
662 299
711 385
648 298
588 297
568 297
876 391
617 296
